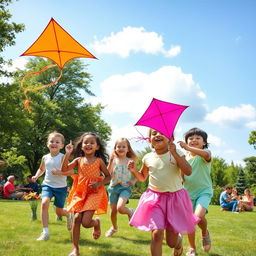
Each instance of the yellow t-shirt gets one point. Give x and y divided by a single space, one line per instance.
164 174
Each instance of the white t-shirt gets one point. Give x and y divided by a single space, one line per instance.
53 162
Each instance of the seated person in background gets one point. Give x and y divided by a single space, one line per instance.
2 182
234 194
246 203
226 201
31 186
10 191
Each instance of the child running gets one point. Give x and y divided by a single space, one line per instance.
88 195
52 186
199 183
119 189
165 205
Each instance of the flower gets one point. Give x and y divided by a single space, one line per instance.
33 198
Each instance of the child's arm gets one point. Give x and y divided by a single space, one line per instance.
142 174
184 166
111 164
205 154
66 166
40 171
60 173
106 179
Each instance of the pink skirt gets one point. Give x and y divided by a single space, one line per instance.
165 210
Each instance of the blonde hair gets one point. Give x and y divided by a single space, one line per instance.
130 153
56 134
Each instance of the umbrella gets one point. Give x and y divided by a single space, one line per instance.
162 116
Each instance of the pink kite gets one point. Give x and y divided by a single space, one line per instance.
162 116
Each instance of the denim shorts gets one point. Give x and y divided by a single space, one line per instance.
118 191
203 200
58 193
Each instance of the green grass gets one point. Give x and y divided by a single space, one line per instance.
232 235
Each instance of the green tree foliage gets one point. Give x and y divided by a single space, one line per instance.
61 107
231 173
8 31
252 139
250 170
241 182
218 171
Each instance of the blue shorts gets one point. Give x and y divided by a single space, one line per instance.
203 200
58 193
118 191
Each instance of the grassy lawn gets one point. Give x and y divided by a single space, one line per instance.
232 235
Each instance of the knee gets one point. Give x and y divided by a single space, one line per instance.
171 244
44 206
120 209
113 211
157 236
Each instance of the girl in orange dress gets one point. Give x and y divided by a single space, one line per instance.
88 195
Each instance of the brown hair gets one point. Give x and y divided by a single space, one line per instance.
130 153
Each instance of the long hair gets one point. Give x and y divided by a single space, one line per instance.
130 153
101 152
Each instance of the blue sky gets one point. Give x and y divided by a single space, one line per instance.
196 53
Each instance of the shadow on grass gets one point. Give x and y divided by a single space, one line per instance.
133 240
111 253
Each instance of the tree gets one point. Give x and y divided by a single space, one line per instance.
8 32
218 170
231 173
250 170
60 107
241 182
252 139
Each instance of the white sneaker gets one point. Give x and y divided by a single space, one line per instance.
43 237
69 221
132 212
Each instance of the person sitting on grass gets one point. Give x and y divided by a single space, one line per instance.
31 186
246 203
10 192
226 201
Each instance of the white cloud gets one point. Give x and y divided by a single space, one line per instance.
215 141
133 39
16 64
243 115
131 93
251 125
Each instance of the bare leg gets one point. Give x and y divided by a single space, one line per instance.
89 222
45 211
76 233
121 208
113 215
157 237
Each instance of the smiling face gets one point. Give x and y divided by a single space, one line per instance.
55 144
196 141
89 145
121 148
158 141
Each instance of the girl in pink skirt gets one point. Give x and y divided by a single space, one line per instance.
165 205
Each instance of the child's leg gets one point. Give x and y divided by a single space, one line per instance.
76 233
157 237
200 212
45 211
89 222
113 215
121 208
174 240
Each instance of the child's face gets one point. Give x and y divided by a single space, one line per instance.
89 145
55 144
121 148
158 140
196 141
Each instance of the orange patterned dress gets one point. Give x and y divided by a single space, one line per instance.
82 197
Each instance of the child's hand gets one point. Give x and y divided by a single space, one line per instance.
34 178
131 166
172 147
55 172
132 182
69 148
183 144
94 185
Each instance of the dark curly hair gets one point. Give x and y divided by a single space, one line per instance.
197 131
101 152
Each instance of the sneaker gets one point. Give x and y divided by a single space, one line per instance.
69 221
43 237
206 242
110 232
178 250
191 252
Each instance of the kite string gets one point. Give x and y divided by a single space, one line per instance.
27 101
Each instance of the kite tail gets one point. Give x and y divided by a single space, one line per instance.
27 101
140 138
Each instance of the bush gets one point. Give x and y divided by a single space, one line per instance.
216 195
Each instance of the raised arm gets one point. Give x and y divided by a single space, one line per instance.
205 154
66 166
184 166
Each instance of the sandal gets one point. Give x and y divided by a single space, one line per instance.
206 242
110 232
178 251
97 231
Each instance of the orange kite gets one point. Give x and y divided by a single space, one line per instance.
58 45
